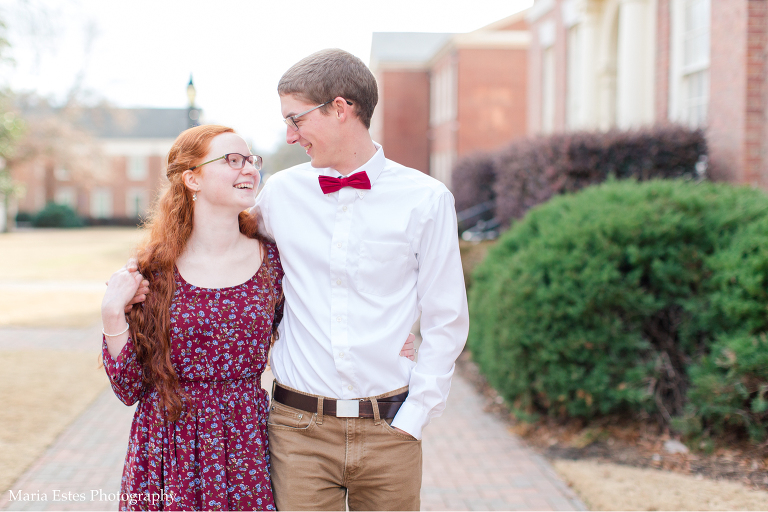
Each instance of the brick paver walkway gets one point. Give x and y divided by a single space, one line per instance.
471 460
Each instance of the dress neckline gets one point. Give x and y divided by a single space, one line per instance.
223 288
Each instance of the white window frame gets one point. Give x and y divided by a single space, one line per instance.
444 93
101 203
62 174
132 197
682 74
137 168
67 196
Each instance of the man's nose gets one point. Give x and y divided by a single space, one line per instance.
291 135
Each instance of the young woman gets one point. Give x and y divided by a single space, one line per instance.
193 352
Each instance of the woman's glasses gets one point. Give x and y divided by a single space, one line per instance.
236 161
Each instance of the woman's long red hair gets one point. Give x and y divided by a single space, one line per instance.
169 227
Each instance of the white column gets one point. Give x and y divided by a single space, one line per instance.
589 85
633 94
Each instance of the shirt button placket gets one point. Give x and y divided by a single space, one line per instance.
339 290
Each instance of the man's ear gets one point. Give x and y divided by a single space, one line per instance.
341 108
191 180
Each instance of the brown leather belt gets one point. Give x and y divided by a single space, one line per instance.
388 406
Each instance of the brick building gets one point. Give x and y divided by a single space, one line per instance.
442 96
131 146
598 64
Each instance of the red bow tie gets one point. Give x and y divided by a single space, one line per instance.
358 180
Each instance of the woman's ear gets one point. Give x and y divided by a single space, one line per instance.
191 180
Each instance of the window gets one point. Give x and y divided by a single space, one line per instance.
62 174
696 62
101 203
443 94
67 196
689 87
137 168
135 202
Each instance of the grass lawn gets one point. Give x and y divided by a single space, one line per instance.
606 486
54 277
89 254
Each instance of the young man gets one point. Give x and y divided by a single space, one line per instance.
366 245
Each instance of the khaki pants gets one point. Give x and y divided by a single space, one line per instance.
317 460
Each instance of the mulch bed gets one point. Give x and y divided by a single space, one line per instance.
629 442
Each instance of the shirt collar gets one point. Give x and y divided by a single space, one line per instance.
372 167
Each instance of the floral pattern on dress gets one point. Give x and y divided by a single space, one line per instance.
216 456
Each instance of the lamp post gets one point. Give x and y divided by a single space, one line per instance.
193 113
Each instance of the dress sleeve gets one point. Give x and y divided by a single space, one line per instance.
124 372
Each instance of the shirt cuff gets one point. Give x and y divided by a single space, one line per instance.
411 418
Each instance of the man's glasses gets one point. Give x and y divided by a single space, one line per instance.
236 161
291 120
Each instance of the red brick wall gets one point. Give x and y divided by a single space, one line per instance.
406 118
492 97
728 85
120 185
754 146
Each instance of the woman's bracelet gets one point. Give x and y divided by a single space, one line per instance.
118 334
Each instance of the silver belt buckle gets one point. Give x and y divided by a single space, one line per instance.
347 408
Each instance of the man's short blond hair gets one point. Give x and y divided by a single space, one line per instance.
327 74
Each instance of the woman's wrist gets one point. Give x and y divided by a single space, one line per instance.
112 311
114 321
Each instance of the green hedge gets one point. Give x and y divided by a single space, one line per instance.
57 216
730 384
618 299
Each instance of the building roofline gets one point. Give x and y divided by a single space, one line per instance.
512 18
501 40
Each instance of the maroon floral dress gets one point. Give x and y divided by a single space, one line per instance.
215 457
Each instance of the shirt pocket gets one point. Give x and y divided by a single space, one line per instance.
382 267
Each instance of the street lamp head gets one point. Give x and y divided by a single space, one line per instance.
191 92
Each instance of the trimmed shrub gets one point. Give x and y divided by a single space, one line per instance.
24 217
530 171
599 302
730 384
57 216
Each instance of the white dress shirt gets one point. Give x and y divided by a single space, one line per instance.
360 265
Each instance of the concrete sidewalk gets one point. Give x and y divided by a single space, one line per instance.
471 460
